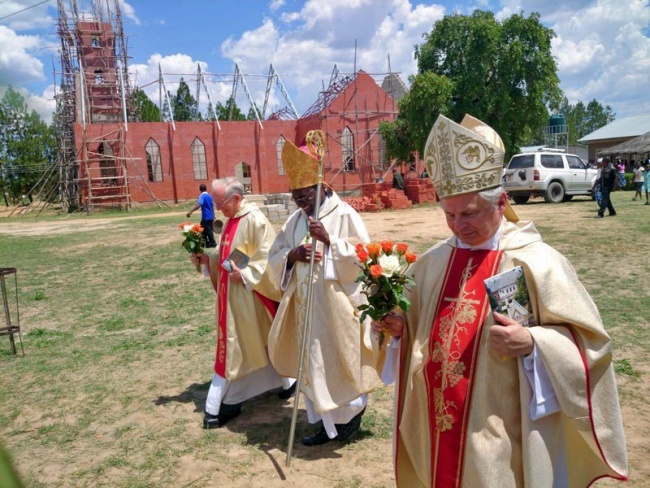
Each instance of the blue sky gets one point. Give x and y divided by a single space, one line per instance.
602 47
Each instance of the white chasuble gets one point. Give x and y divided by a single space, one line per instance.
342 359
484 437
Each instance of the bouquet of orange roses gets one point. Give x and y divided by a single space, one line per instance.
193 242
383 279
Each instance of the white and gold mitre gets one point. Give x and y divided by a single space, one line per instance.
463 158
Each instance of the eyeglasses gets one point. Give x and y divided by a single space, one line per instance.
223 202
304 197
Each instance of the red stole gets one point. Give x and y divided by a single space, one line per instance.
225 244
453 353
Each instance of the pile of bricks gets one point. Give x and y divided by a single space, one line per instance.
420 190
278 207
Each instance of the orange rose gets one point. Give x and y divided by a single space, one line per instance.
362 254
373 250
410 257
387 247
376 270
197 228
359 247
401 248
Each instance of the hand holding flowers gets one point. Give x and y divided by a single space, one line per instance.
193 242
383 279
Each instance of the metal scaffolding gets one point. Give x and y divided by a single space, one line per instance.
94 89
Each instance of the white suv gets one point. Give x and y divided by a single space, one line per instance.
552 174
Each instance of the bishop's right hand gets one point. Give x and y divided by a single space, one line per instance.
302 254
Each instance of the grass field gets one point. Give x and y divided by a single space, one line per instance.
118 331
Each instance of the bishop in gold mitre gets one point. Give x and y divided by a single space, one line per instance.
483 401
342 360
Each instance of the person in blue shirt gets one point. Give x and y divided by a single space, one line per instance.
207 216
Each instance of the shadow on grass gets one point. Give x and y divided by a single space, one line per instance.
196 392
265 423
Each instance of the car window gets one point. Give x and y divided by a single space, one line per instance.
575 162
553 161
523 161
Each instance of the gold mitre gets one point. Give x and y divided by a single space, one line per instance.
300 167
463 158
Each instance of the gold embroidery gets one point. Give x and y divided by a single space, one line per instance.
462 311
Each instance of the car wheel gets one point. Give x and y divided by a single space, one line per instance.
567 198
520 199
554 192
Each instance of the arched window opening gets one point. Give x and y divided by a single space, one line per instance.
154 165
198 160
347 149
243 173
107 164
99 77
279 144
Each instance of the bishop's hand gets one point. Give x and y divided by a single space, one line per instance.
509 338
317 231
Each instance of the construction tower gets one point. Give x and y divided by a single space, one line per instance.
94 90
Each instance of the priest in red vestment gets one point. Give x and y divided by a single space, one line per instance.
245 306
481 400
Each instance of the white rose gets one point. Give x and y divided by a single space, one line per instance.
389 264
187 228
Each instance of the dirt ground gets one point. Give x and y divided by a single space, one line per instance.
368 456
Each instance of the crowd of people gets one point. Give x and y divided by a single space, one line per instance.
481 400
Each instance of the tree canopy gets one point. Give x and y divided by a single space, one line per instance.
142 108
27 148
223 111
501 72
583 120
184 105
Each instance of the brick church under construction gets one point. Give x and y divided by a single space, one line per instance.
108 161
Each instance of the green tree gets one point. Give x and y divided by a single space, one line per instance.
142 109
500 72
583 120
184 105
251 113
430 95
27 148
224 111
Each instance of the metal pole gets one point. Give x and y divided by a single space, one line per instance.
316 145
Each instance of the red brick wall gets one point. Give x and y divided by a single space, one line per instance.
360 107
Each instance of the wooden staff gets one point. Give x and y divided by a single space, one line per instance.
316 144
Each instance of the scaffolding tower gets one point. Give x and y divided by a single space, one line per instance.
94 89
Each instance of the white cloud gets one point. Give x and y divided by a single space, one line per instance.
603 54
43 104
129 12
174 67
18 63
306 44
276 4
24 15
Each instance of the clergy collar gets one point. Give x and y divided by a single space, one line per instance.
492 244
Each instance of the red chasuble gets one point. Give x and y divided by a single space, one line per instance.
453 352
222 295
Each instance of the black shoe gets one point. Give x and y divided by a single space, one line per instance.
288 393
612 214
600 216
345 431
317 439
226 414
211 421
